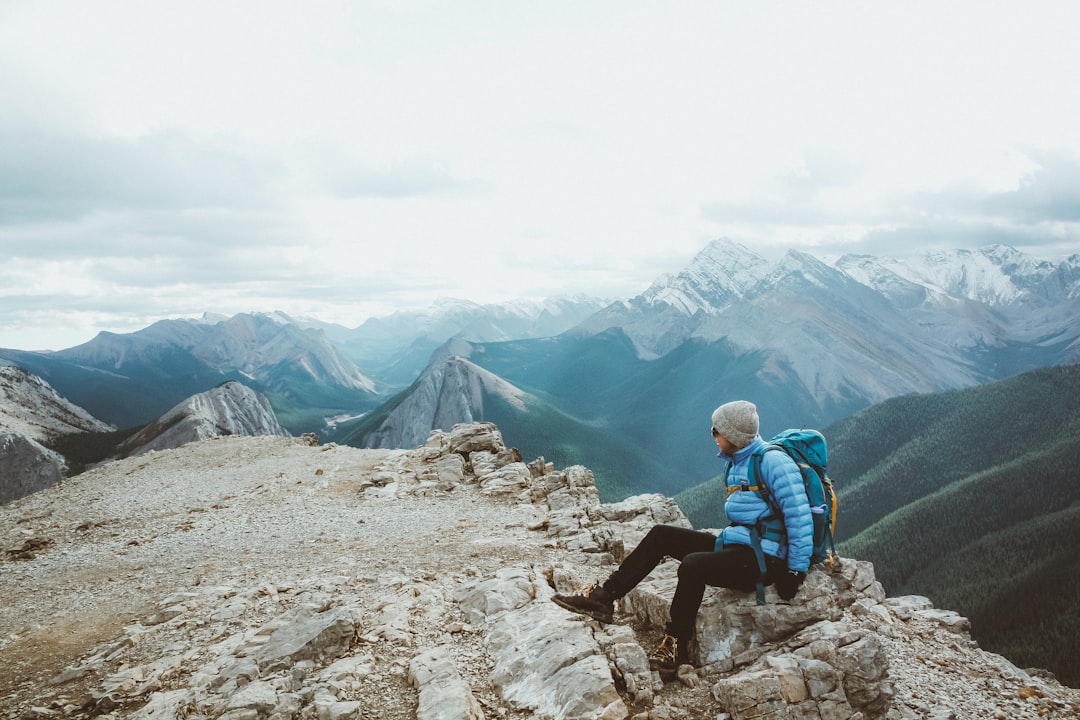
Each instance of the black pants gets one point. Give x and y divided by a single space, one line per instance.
735 566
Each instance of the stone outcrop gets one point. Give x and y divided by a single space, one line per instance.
443 692
734 631
545 661
459 624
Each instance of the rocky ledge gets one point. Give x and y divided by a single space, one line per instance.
324 583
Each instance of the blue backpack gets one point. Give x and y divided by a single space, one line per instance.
810 452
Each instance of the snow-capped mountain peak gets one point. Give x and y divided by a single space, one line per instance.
803 265
718 275
995 275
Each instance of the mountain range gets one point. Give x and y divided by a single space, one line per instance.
625 387
810 342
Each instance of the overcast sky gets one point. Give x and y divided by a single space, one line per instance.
344 159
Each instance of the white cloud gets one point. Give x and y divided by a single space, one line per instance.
345 158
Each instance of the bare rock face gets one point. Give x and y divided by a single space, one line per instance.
31 407
447 394
229 409
794 659
31 413
26 466
732 629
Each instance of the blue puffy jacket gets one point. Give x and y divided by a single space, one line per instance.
784 480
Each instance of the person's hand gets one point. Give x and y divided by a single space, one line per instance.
788 584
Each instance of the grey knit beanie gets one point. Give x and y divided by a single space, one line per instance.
737 421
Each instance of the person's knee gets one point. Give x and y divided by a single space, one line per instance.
660 530
659 536
694 566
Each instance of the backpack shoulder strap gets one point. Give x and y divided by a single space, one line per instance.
759 477
759 531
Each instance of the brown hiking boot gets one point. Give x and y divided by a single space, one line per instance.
594 601
668 656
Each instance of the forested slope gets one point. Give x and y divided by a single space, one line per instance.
972 498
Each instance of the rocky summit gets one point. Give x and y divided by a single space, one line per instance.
274 578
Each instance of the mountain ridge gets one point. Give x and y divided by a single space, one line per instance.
32 407
229 409
32 416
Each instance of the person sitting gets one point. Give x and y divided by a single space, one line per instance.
756 547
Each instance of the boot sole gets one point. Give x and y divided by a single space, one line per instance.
594 614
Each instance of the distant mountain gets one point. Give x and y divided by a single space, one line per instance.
1000 309
26 466
260 346
453 389
130 379
808 341
449 392
396 348
934 321
229 409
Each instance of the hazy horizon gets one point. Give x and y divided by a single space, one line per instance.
343 160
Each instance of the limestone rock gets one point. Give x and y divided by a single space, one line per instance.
509 589
513 480
485 461
466 438
629 662
545 661
308 636
443 694
732 628
450 470
840 678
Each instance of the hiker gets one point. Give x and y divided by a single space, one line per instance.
730 560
